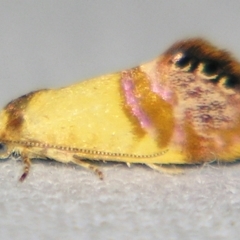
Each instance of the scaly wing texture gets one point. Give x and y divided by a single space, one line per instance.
182 107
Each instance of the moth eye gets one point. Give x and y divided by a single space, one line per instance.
3 148
210 68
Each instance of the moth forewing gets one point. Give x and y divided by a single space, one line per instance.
183 107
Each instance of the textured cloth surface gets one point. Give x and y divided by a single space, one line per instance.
60 201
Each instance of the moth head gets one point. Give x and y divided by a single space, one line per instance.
5 150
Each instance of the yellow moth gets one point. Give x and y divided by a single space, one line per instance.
182 107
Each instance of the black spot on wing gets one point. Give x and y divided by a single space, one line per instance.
231 81
210 68
183 61
217 61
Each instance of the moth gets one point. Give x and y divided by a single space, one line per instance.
181 108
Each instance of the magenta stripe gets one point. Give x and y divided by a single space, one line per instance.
133 102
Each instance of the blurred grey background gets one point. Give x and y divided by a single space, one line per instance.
50 44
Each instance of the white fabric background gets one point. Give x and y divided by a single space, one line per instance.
48 44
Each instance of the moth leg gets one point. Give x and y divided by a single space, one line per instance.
77 160
128 164
27 165
173 170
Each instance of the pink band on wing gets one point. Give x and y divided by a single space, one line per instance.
133 103
162 92
151 69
